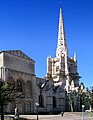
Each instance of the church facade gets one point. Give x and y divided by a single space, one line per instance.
50 92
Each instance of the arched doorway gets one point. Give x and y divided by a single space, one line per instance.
20 105
12 107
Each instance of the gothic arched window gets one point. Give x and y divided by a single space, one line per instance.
54 102
11 81
28 85
41 101
19 85
28 88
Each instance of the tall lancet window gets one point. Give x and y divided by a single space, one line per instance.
20 85
54 102
41 101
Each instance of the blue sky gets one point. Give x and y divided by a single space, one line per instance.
32 26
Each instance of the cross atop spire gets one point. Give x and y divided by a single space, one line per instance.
60 3
61 35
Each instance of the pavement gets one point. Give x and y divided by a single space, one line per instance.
66 116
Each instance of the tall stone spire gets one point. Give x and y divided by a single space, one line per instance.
61 36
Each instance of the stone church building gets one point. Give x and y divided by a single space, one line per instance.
49 92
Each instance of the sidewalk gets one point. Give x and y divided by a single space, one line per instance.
66 116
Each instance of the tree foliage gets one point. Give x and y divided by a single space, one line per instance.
83 95
7 94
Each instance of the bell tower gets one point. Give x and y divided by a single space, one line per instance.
62 68
56 66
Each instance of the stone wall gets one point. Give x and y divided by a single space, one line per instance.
26 103
19 64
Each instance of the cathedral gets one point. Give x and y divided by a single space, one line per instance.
49 93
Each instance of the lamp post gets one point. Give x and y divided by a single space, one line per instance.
83 112
37 109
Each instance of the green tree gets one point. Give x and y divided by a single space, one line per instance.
90 98
82 94
72 100
7 94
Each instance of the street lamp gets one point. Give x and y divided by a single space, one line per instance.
83 112
37 109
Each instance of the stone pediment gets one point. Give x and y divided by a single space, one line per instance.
18 53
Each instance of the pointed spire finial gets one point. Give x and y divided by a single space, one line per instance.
61 34
60 3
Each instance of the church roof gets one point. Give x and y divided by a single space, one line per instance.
18 53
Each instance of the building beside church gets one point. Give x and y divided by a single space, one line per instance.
18 69
49 92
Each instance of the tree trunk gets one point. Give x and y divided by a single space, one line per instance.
2 111
71 107
90 108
